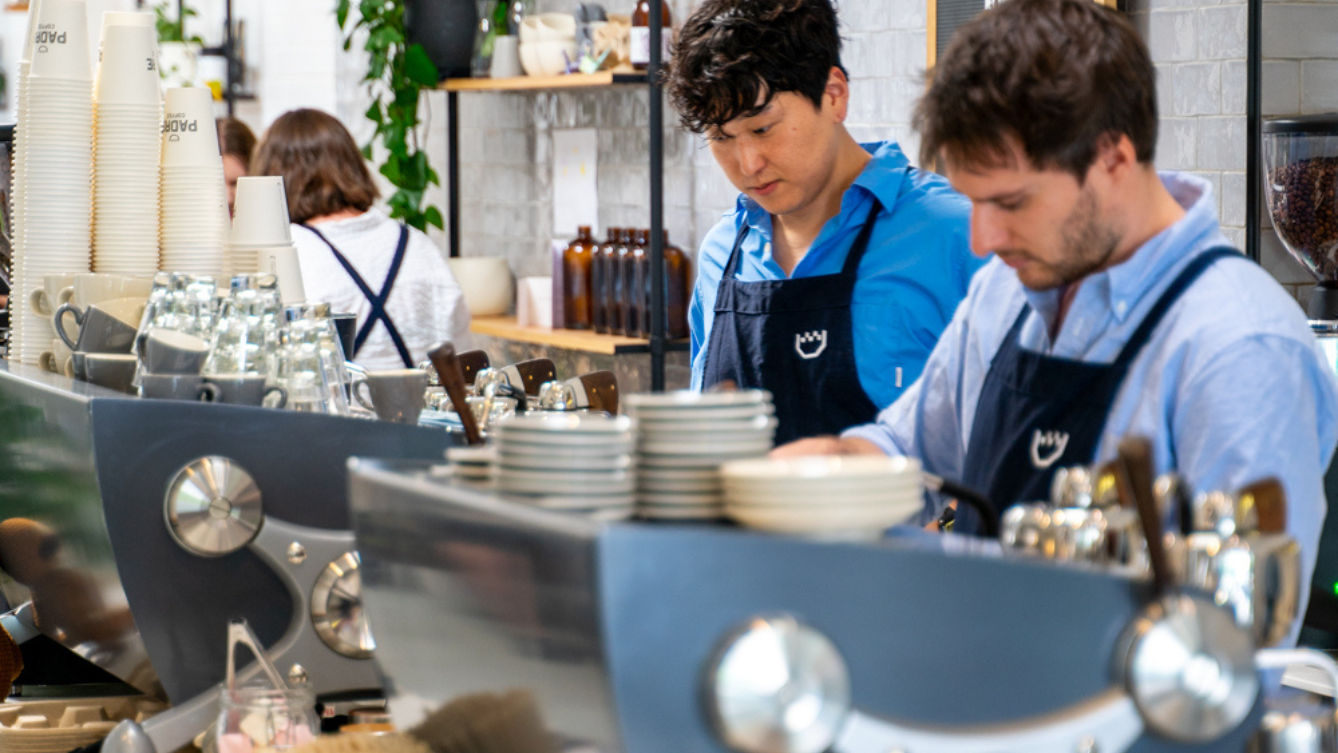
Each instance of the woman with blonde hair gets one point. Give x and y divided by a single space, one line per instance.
352 255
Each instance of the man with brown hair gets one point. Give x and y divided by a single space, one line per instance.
1113 306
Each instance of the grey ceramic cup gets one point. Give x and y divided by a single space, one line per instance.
74 368
177 387
245 389
99 332
115 371
396 396
169 352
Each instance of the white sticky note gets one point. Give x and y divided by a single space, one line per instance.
575 180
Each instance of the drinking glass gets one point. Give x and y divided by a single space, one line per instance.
310 364
246 336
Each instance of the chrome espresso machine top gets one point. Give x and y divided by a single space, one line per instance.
660 638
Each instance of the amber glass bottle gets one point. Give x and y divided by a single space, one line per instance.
640 51
599 279
617 295
634 273
677 287
577 297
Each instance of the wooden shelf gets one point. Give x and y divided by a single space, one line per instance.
505 328
535 83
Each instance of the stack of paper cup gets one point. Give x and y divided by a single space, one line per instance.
194 200
261 239
21 323
57 162
128 128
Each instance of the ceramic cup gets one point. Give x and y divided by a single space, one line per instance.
177 387
168 352
396 396
94 288
45 300
245 389
99 330
115 371
74 367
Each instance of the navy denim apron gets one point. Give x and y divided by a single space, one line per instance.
378 300
794 338
1038 413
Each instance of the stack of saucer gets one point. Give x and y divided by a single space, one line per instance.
576 462
683 437
846 497
57 162
470 463
128 140
194 199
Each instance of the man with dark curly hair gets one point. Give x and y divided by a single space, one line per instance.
831 279
1114 305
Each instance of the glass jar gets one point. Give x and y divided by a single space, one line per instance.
480 63
261 717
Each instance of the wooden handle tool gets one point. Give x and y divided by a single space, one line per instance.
452 379
1261 507
1136 484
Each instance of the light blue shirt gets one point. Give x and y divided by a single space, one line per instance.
916 269
1232 386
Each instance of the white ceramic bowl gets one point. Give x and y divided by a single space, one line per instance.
486 282
550 56
541 27
529 59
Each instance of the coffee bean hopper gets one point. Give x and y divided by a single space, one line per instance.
133 531
1301 186
661 638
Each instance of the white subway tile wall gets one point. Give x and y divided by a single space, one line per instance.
1198 47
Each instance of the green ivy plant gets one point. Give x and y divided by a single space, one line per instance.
397 72
173 29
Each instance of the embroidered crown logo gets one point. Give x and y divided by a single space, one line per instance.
809 345
1051 443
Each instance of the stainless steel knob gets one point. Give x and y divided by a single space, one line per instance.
213 507
337 611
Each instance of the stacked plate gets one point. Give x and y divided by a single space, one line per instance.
848 496
578 462
128 139
682 439
194 199
471 463
55 164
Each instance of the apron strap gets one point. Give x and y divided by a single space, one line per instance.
377 300
853 257
1168 298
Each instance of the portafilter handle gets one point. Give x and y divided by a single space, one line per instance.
1136 484
452 379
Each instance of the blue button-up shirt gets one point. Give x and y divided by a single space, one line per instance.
1232 386
916 270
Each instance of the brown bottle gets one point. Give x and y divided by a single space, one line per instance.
617 295
640 51
599 279
634 272
577 298
677 271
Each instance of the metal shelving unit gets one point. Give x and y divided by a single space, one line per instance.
658 343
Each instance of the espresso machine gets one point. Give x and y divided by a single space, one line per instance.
1301 186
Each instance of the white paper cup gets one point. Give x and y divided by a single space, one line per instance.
27 57
189 134
260 215
60 43
128 73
